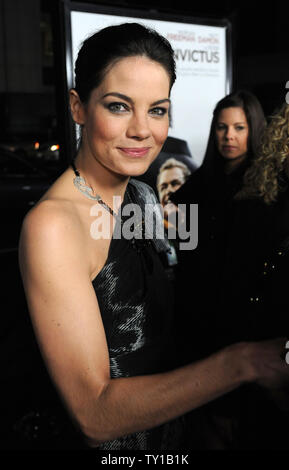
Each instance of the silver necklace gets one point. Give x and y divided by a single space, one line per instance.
80 183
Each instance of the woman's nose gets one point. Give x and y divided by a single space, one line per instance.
139 127
229 133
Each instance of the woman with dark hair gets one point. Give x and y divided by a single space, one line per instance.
236 129
98 295
237 116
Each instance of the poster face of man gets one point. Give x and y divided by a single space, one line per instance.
169 181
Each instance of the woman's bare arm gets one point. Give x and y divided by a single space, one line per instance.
69 329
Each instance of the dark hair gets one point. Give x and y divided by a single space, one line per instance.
109 45
255 118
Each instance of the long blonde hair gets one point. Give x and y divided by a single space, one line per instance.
263 179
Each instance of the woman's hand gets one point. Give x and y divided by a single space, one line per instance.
265 363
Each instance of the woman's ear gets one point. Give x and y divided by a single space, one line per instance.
76 107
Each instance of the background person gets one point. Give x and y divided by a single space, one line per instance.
203 275
236 129
102 308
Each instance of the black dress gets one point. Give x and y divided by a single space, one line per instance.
136 301
136 304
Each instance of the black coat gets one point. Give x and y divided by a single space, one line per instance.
200 272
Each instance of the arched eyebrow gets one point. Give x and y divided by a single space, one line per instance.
234 124
127 98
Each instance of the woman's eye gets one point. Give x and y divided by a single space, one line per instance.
240 128
117 107
159 111
220 127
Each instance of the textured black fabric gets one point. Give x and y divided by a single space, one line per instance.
136 304
199 274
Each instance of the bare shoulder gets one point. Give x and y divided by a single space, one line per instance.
50 215
50 218
50 234
56 213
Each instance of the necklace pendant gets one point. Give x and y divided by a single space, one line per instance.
80 184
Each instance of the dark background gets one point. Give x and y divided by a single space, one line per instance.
30 104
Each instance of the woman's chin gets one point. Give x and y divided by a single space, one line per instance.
138 170
232 156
